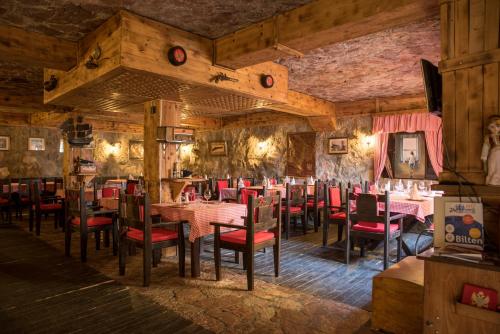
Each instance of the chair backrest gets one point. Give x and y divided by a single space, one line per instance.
264 214
24 187
5 187
357 189
110 192
35 196
296 195
244 194
130 188
334 195
319 191
134 212
368 208
76 206
222 184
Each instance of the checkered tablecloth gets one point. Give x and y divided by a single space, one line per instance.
200 215
282 189
419 209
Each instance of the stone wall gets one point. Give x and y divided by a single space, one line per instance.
247 158
19 162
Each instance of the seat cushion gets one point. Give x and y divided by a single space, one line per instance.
337 215
240 237
293 209
25 199
94 221
157 234
50 206
4 201
373 227
310 204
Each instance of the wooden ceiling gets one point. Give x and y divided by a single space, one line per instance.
380 64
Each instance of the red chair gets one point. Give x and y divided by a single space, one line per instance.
44 206
130 188
6 200
244 194
262 229
295 207
333 212
191 192
138 229
110 192
367 223
82 218
357 189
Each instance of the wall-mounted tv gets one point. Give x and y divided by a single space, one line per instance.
432 87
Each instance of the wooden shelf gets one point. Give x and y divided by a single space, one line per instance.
477 313
429 255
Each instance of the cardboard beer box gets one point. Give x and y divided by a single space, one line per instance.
463 224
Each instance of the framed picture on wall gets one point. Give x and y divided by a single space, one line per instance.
36 144
136 150
338 145
217 148
4 143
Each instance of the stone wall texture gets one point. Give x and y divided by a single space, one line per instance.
247 158
19 162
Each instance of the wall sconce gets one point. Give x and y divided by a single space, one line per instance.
113 149
262 145
186 149
369 140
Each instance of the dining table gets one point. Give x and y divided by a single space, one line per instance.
199 215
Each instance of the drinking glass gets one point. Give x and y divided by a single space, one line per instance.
207 194
421 186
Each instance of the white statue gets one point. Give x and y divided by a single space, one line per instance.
491 152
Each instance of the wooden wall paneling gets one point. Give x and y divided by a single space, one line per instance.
462 126
475 117
449 120
462 27
491 24
447 30
491 93
476 28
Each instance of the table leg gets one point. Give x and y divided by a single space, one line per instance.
195 258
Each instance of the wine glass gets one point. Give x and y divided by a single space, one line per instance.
421 186
207 194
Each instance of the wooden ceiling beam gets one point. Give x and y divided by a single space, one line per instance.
387 105
258 119
13 119
35 49
316 25
305 105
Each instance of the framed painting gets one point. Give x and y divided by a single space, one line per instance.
4 143
338 145
217 148
301 154
409 156
36 144
136 150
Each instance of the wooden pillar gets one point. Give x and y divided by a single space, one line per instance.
67 163
159 159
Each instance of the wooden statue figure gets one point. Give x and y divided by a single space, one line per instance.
491 152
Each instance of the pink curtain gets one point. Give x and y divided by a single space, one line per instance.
428 123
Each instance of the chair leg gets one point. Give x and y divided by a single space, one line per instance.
97 240
386 254
182 258
325 233
67 238
276 255
122 255
31 214
362 248
132 250
236 257
347 249
304 223
106 239
400 247
38 222
287 226
316 221
156 257
250 268
83 246
245 266
56 220
115 238
340 231
217 258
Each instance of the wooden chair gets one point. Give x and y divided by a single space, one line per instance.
44 206
138 229
262 229
316 203
295 206
368 223
23 197
244 194
334 212
6 200
86 220
248 181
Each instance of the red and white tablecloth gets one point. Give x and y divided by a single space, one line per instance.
200 215
282 189
417 208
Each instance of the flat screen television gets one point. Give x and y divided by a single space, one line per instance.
432 87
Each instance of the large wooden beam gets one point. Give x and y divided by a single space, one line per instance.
14 119
35 49
305 105
315 25
387 105
259 119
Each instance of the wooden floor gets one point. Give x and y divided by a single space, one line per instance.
41 291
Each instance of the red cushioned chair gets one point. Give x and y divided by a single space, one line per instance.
44 206
23 198
368 223
6 200
333 211
137 228
110 192
295 206
220 184
316 203
130 188
83 218
244 194
262 229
